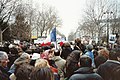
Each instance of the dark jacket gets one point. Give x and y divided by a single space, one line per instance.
65 52
85 73
3 74
105 70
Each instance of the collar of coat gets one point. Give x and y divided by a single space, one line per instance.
84 70
114 61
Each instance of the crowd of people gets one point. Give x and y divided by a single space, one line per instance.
76 61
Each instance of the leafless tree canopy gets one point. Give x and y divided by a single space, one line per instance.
98 15
23 19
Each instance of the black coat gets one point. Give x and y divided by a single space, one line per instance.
3 74
65 52
105 70
85 73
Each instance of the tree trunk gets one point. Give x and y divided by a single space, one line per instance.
1 37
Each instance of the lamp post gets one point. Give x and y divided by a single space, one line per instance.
108 26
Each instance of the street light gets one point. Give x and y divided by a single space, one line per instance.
108 26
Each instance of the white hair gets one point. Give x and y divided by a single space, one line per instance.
3 55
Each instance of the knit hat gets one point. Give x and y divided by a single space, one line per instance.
89 47
22 59
35 56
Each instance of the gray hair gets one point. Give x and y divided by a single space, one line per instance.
89 47
3 55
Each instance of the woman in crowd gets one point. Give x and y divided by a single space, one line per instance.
72 63
43 73
22 72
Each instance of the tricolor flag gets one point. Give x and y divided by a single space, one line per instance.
50 38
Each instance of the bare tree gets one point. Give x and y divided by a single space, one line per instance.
31 18
95 16
71 36
115 19
6 9
47 19
21 28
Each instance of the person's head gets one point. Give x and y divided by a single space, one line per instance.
85 61
73 58
19 49
114 54
78 41
24 58
72 62
74 55
52 45
50 54
99 60
24 48
104 52
3 59
41 63
57 52
44 73
66 44
23 71
89 47
13 50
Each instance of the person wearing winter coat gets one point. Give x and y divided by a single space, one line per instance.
106 70
85 72
60 63
4 75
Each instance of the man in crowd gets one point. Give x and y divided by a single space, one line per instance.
106 70
85 72
3 66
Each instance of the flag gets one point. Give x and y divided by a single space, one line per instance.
53 35
50 38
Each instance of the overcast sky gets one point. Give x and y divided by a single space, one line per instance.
70 11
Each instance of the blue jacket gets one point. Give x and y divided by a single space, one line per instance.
90 54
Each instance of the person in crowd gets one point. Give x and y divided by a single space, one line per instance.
48 55
60 63
22 72
72 63
41 63
99 60
95 53
104 52
102 56
85 72
89 53
44 63
66 50
105 70
4 75
116 73
79 45
52 45
13 55
43 73
24 58
33 59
